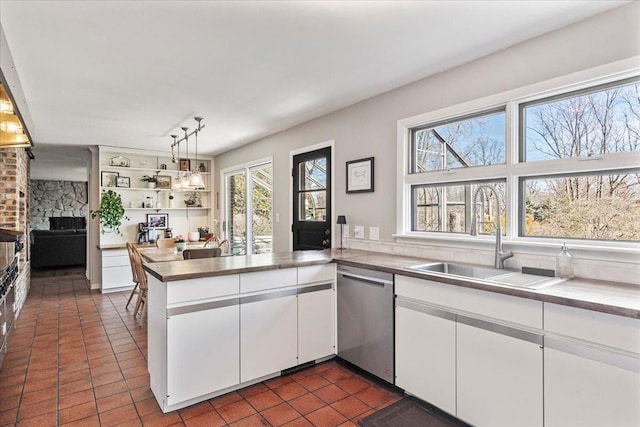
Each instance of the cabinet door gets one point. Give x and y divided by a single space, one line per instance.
316 325
426 356
203 352
499 379
583 392
269 335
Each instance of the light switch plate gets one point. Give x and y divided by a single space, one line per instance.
358 231
374 233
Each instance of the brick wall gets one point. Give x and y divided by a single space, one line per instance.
14 189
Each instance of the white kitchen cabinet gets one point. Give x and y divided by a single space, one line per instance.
499 378
201 358
316 324
582 392
268 336
116 271
426 354
591 368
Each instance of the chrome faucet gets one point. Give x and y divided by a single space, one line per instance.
500 256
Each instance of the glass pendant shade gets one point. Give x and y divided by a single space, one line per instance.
196 180
177 183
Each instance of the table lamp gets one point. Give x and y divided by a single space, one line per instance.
342 220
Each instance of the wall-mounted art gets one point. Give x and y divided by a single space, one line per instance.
360 175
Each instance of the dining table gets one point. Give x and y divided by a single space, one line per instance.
155 254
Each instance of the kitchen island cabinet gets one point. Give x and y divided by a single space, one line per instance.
211 335
269 336
201 358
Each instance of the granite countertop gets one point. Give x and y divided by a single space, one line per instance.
607 297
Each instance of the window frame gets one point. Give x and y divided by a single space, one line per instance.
245 169
513 170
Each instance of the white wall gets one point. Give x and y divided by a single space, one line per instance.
60 163
369 128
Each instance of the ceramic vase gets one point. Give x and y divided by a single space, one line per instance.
181 246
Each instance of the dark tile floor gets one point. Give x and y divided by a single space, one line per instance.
77 357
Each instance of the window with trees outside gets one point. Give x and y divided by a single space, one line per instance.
249 205
562 166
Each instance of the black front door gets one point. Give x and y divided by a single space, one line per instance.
312 200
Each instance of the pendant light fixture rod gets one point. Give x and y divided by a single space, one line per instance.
187 135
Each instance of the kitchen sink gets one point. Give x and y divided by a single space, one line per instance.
489 274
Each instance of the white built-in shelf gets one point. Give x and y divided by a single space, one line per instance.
182 190
165 209
157 170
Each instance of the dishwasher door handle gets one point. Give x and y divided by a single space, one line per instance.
366 279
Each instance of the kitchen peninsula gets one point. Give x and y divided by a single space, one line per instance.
220 324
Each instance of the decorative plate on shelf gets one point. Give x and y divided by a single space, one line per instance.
120 161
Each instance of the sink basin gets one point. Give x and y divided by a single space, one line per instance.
474 271
489 274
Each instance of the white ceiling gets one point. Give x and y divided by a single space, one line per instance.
130 73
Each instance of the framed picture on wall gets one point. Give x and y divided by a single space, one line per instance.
158 221
185 165
163 182
123 181
109 179
360 175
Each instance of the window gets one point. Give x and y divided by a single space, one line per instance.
249 207
604 206
565 166
582 124
459 143
447 207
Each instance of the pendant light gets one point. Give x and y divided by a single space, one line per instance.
196 180
177 183
188 179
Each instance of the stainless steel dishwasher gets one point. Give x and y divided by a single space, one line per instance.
365 320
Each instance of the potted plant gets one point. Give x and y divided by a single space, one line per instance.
181 243
111 212
150 180
203 231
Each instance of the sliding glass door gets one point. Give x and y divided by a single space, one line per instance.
248 223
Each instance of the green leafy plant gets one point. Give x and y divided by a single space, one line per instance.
111 212
147 178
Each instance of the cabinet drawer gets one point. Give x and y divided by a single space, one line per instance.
201 289
271 279
317 273
498 306
116 278
114 253
115 261
601 328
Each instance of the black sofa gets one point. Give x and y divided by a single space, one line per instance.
58 248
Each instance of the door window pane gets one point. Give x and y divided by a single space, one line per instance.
603 206
594 123
314 206
312 188
475 141
237 186
313 174
262 191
